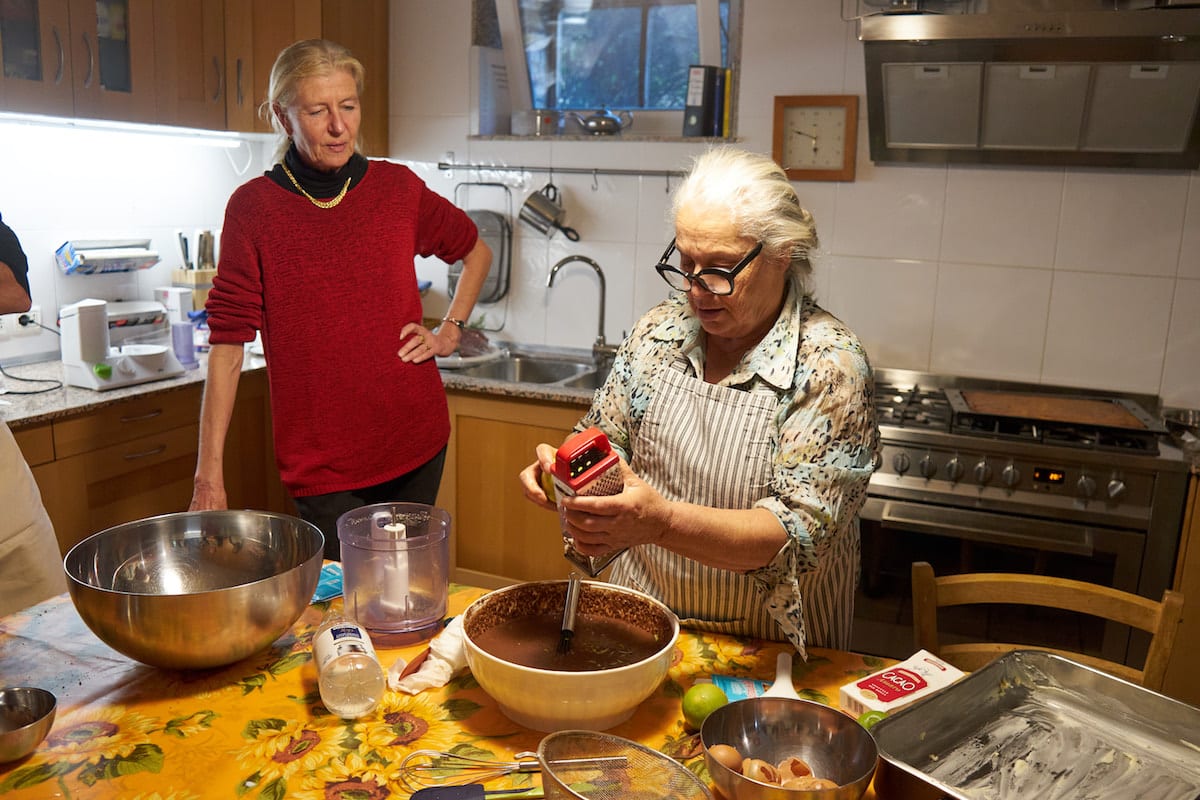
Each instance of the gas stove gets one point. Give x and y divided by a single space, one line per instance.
990 475
1004 459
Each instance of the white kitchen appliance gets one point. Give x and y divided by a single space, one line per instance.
90 361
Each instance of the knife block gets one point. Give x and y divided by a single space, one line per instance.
198 280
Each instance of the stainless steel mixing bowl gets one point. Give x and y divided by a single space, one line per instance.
195 589
26 714
775 728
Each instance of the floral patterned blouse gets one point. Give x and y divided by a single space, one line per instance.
825 431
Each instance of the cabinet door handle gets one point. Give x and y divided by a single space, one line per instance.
162 448
87 81
142 417
240 97
216 74
62 57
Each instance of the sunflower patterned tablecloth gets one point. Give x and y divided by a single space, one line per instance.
257 730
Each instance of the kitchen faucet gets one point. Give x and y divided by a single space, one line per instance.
602 353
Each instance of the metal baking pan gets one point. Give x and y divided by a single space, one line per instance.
1110 413
1035 724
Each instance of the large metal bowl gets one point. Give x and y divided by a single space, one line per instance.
195 590
775 728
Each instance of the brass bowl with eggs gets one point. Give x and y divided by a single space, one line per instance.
772 730
620 652
198 589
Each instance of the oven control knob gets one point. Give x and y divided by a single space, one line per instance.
954 469
1010 475
901 463
1116 488
983 472
1086 486
927 467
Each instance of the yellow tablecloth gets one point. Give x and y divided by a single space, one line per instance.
257 729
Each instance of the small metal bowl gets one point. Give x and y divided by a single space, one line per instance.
26 715
775 728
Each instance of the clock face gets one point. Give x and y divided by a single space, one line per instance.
814 137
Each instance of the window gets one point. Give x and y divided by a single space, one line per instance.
617 54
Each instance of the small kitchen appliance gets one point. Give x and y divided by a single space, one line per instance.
92 362
396 566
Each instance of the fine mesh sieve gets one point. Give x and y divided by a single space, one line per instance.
645 775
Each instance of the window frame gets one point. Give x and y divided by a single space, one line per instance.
645 122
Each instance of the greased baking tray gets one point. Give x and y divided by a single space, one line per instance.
1037 725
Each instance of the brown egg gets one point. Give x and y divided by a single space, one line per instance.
758 770
793 767
726 756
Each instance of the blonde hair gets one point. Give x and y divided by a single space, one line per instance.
762 203
305 59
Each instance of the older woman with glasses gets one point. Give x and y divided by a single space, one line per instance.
743 413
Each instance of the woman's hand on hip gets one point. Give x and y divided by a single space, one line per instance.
418 343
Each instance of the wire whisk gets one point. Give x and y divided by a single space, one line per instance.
422 769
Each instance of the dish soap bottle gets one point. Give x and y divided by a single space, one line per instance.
350 678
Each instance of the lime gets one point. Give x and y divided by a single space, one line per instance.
700 701
548 485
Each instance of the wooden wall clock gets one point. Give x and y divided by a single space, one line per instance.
816 136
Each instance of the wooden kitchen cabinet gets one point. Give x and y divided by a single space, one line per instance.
126 461
499 537
1180 681
136 458
257 30
189 63
36 57
112 59
82 58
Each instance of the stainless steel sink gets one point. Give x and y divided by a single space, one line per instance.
532 366
527 369
591 380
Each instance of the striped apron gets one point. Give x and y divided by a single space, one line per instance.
714 446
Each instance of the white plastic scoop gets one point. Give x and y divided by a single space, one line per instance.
782 687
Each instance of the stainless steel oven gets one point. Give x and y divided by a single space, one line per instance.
979 475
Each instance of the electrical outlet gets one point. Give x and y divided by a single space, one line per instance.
10 324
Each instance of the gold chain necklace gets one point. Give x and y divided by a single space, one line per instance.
311 199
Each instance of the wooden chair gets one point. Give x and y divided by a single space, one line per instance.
1160 619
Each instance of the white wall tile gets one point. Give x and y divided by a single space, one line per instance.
1189 252
1107 331
990 321
888 303
1181 373
891 212
1000 215
1122 222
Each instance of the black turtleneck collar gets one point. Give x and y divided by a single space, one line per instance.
319 184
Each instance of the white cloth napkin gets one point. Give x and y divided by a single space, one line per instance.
446 657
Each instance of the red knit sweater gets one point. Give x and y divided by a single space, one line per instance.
330 290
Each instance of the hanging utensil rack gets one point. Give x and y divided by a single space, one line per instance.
449 166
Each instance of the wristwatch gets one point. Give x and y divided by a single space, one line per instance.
457 322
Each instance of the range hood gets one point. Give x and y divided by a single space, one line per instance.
1111 83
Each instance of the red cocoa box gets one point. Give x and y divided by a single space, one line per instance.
872 698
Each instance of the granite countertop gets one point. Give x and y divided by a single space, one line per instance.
27 410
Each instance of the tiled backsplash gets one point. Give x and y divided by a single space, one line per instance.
1087 277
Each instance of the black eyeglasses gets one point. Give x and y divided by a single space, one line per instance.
713 280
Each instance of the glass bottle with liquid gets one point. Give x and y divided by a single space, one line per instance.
350 678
